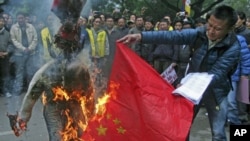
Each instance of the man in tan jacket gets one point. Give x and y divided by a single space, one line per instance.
24 38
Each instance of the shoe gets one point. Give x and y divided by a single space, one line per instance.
8 95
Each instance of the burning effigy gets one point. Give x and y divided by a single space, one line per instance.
64 83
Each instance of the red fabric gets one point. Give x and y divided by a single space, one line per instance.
55 3
143 108
60 8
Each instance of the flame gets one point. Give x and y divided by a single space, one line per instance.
113 86
100 106
44 98
60 94
70 133
76 113
75 122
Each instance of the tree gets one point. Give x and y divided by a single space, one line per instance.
201 7
156 8
242 5
28 6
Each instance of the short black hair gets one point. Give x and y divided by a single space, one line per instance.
109 17
140 16
178 20
165 21
149 19
122 18
200 20
224 12
242 16
85 17
96 17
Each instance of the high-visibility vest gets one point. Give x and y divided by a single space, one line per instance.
46 39
97 44
45 34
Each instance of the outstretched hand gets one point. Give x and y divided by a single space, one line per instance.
16 124
130 38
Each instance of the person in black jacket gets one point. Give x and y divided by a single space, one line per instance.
218 54
5 52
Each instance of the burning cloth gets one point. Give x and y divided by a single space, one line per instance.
67 96
68 9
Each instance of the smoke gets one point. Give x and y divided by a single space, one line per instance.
87 9
40 10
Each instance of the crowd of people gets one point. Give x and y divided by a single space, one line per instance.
27 43
23 51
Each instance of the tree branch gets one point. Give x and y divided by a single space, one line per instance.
169 5
211 6
198 5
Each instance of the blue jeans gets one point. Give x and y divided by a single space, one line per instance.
20 67
24 69
217 115
233 111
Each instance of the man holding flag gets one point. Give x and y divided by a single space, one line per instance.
218 54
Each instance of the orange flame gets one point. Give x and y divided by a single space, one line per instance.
70 133
60 94
76 113
44 98
100 106
76 122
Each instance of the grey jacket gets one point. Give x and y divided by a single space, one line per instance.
5 42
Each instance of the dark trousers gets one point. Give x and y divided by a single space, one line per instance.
4 75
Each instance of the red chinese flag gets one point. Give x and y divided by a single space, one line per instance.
143 108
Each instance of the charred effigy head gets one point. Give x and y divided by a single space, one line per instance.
67 38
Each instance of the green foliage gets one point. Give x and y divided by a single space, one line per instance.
27 6
242 5
155 8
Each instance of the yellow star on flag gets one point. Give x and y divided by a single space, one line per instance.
116 121
121 130
108 116
101 130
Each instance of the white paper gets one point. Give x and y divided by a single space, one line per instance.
193 86
169 74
